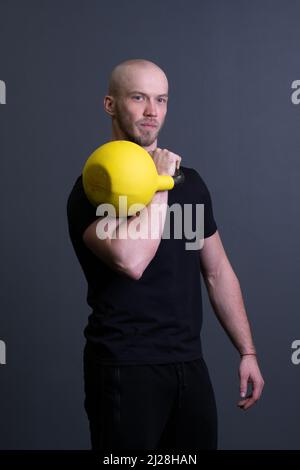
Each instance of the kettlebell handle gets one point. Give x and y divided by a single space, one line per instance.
166 182
178 177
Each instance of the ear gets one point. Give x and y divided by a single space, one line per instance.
109 105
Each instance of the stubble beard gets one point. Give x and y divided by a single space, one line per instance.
145 139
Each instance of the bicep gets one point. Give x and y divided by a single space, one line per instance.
97 238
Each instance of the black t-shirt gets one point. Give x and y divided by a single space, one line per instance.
157 318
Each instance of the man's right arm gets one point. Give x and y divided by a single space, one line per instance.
131 255
122 253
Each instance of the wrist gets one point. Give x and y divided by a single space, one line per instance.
160 197
248 354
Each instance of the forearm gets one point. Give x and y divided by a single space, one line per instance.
134 241
226 299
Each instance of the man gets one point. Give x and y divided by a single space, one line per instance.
146 382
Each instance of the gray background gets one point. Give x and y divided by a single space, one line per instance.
230 66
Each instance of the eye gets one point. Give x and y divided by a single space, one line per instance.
136 97
162 100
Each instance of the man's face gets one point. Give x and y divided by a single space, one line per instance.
141 106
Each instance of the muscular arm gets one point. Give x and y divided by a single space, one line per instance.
129 254
225 293
226 298
122 252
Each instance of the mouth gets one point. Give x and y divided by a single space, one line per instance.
153 126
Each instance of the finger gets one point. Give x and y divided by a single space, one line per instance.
257 391
242 403
253 398
250 403
243 385
178 163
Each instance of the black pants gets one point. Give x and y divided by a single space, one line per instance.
150 407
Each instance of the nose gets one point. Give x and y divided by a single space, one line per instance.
150 109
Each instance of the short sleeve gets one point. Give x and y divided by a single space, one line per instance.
81 213
204 197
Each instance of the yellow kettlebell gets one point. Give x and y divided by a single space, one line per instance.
123 168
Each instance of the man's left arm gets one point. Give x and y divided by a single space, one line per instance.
226 299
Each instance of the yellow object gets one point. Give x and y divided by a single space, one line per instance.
122 168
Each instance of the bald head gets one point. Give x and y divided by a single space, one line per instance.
125 74
137 101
